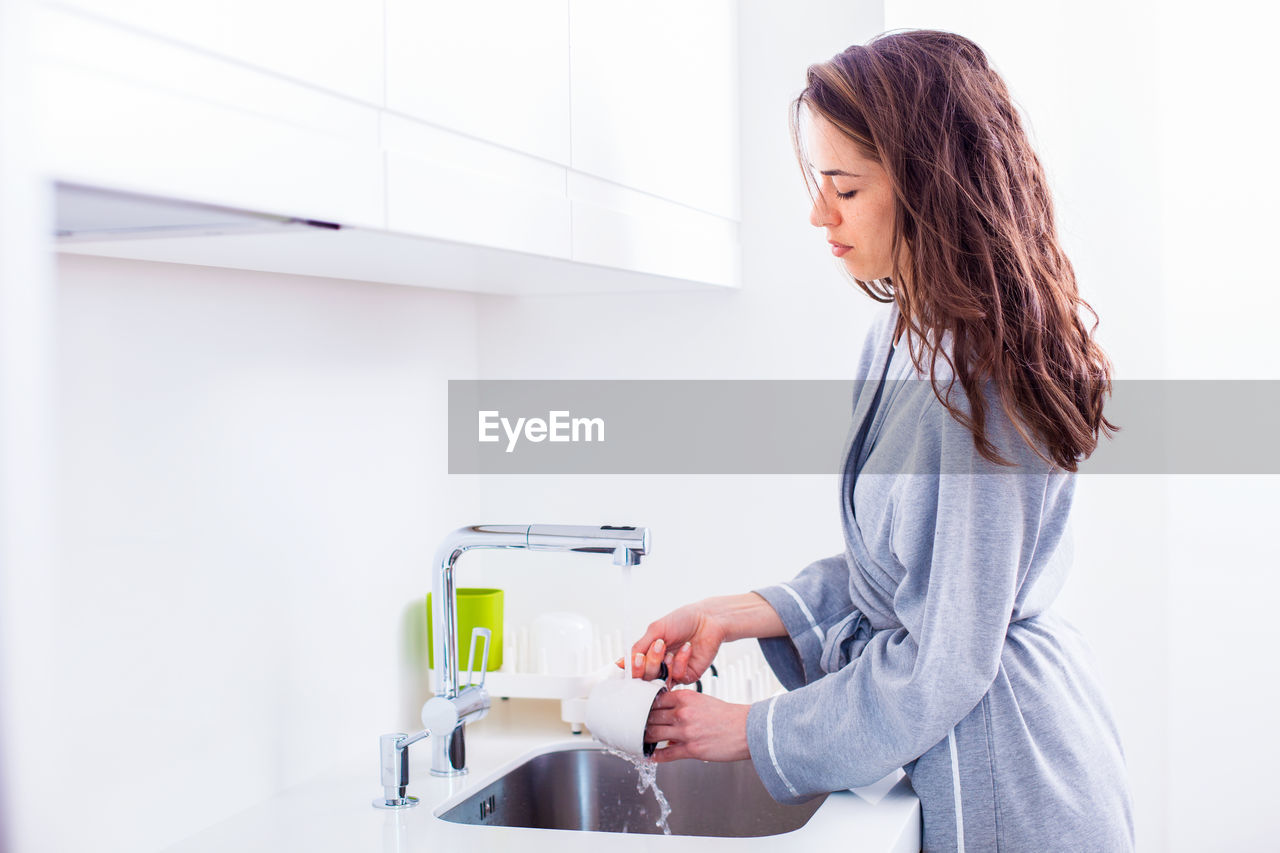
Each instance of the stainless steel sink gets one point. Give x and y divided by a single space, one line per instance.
587 788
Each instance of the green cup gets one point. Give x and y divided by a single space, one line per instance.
477 608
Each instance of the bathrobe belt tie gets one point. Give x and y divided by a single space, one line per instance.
845 641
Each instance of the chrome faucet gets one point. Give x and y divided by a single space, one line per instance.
627 544
446 714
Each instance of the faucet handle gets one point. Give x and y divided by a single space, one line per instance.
471 657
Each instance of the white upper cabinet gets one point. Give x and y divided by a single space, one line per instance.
333 44
498 70
657 110
453 188
525 145
128 111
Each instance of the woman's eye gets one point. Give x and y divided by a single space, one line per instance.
849 194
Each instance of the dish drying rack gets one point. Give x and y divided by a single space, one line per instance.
740 673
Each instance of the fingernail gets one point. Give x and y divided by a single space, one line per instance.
639 660
669 658
659 645
686 646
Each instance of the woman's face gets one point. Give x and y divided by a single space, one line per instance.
855 201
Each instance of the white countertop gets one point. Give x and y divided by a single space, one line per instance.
335 813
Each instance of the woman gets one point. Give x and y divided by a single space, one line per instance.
929 643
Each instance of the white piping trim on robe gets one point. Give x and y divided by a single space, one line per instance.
808 614
955 787
772 755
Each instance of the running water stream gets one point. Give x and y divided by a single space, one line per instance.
627 632
647 770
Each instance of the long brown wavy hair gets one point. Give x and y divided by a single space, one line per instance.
974 213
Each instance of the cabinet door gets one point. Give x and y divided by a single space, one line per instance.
333 44
129 111
443 185
656 108
498 70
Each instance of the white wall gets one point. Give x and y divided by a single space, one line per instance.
26 453
1222 290
251 481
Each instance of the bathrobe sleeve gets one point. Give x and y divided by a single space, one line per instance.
810 604
964 532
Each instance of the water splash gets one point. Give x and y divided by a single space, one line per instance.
647 770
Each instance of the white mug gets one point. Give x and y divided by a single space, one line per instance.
618 710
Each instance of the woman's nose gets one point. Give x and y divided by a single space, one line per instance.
821 215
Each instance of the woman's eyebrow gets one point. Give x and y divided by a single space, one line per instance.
835 172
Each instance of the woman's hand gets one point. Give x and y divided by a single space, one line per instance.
687 639
697 726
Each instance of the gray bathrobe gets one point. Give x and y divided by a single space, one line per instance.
929 643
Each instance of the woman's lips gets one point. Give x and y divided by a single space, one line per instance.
838 249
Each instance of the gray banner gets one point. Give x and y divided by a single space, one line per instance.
801 426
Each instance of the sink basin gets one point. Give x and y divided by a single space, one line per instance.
586 788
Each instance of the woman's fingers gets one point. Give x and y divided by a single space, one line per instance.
662 723
680 665
673 629
664 701
638 652
644 646
653 660
648 664
657 734
671 752
661 718
700 726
